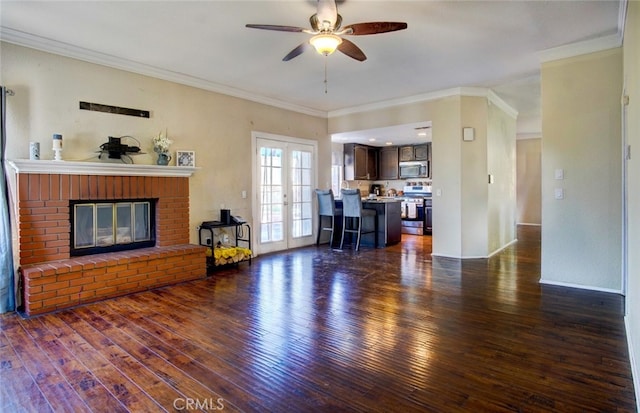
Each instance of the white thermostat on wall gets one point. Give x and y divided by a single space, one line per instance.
468 134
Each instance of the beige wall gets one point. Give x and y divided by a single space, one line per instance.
474 190
447 178
528 182
581 234
501 164
632 82
217 127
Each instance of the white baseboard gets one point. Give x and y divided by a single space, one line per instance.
475 257
508 244
580 286
459 257
632 360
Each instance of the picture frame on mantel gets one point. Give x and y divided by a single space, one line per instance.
186 158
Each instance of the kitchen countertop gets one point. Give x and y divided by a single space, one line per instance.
382 199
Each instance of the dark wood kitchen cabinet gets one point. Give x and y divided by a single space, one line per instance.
415 152
388 157
406 153
421 152
360 162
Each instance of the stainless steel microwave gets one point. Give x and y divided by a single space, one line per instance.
415 169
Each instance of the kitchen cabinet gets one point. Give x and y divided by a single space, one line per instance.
420 152
388 157
406 153
360 162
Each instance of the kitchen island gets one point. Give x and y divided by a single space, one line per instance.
388 212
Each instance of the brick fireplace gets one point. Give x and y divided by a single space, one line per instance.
52 279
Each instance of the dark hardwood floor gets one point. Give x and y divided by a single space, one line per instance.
386 330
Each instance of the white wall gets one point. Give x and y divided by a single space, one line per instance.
217 127
581 234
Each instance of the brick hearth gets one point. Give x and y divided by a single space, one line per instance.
53 280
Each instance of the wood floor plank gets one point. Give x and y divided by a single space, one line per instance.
19 391
186 385
59 394
81 379
137 372
220 358
118 384
318 330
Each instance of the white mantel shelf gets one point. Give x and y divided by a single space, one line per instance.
26 166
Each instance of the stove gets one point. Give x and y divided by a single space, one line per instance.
416 210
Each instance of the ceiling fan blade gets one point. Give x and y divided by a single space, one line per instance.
361 29
347 47
276 27
327 12
297 51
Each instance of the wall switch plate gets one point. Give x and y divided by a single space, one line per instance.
559 193
438 192
490 178
559 174
244 194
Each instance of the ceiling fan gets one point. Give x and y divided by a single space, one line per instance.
326 31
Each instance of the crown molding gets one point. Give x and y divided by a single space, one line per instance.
64 49
425 97
395 102
589 46
580 48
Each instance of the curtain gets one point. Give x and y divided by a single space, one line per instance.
7 289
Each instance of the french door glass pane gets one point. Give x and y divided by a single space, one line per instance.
301 194
271 191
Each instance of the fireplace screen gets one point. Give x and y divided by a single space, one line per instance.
111 226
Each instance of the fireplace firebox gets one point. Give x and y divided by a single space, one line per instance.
99 226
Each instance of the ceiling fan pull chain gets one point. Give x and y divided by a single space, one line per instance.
325 75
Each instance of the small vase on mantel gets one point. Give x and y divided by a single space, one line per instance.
163 158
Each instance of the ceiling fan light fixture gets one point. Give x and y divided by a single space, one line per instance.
325 44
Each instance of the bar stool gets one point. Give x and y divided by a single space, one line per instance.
358 217
326 208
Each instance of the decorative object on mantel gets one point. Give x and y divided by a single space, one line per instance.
185 158
57 147
161 145
163 158
34 151
116 149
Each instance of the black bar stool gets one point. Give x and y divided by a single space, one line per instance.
326 208
355 219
